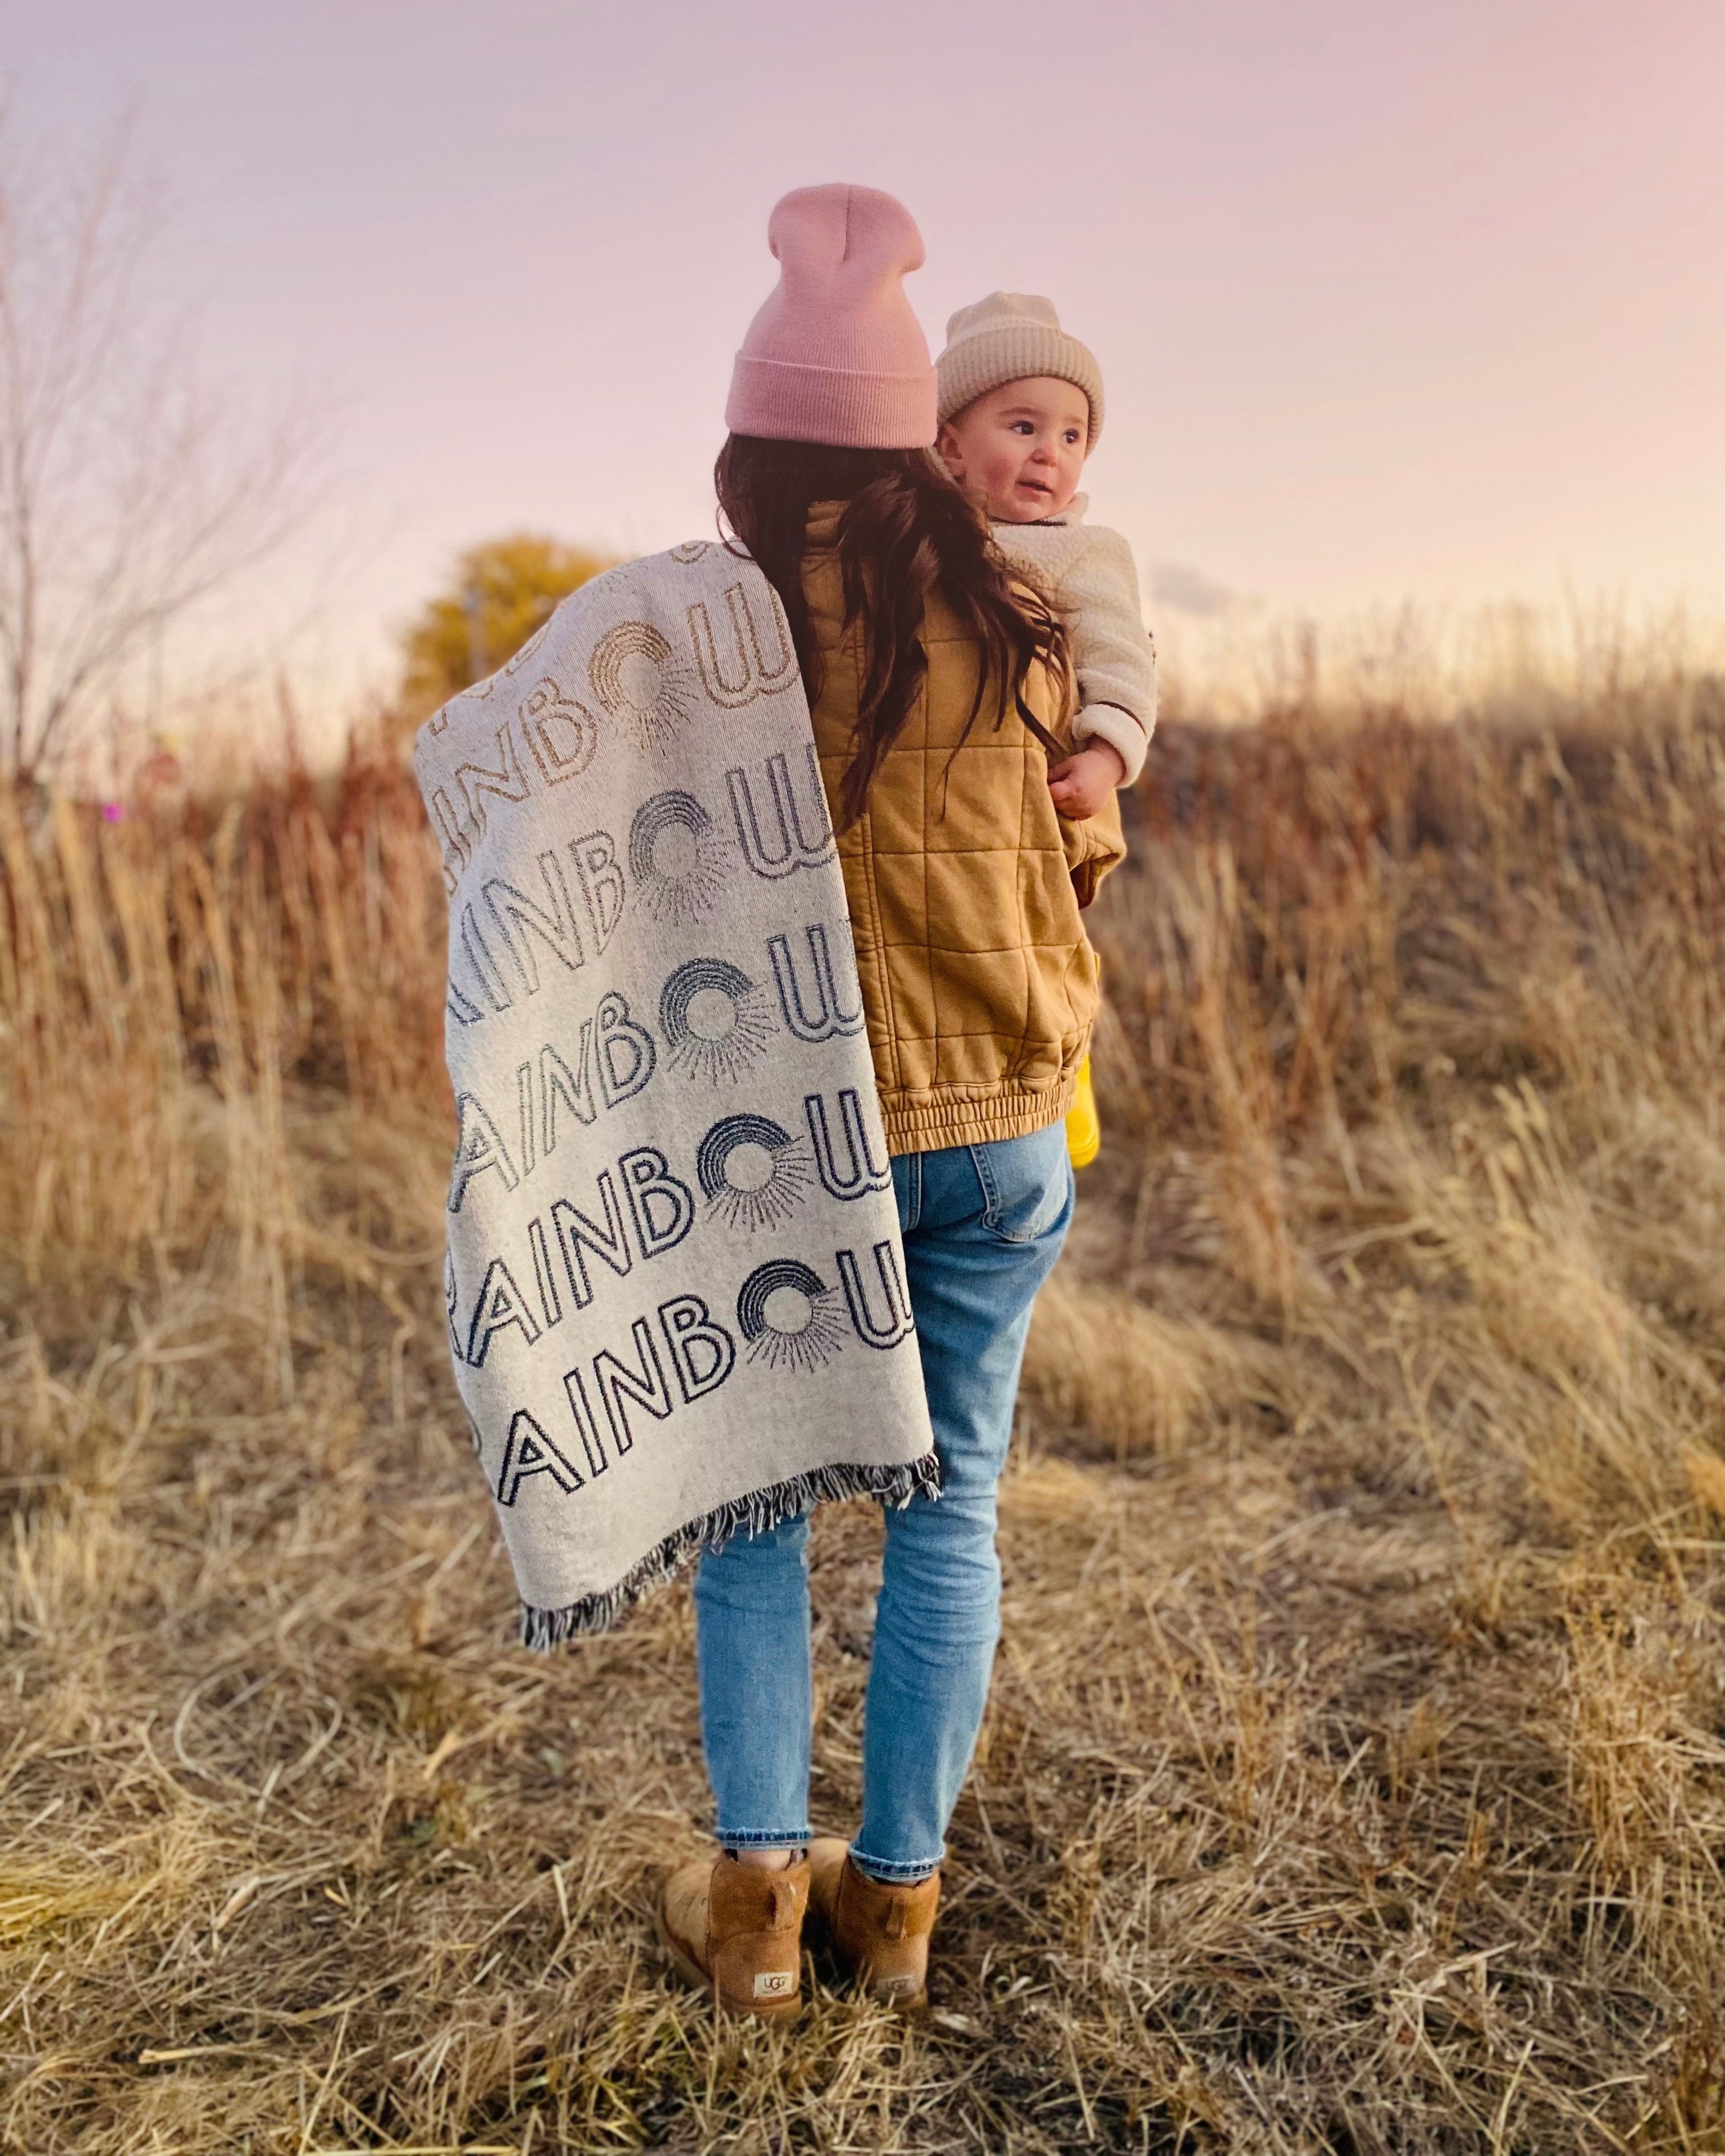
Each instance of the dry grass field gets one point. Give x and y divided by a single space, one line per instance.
1353 1779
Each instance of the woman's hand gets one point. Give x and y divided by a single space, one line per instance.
1082 785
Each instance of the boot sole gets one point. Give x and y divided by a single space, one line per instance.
697 1978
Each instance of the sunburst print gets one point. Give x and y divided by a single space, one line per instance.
676 859
789 1317
716 1021
637 677
755 1175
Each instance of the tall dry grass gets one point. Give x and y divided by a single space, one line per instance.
1353 1779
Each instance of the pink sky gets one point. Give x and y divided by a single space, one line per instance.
1392 299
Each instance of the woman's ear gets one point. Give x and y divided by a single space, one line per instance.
947 448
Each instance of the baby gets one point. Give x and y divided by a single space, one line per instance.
1020 409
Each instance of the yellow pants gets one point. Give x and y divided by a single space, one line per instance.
1084 1129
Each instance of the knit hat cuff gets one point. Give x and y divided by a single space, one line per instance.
1013 352
789 402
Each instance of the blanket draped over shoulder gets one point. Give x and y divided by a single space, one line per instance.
676 1294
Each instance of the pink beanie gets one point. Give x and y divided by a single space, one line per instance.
836 354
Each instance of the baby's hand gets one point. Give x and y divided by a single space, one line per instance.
1082 785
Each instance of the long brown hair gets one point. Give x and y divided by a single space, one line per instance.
905 532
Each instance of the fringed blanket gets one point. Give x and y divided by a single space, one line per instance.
677 1303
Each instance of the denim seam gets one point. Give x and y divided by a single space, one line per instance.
991 1189
786 1838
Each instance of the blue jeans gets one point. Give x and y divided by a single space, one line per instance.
983 1225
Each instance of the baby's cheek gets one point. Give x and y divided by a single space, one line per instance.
1003 470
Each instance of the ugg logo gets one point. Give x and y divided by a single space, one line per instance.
775 1983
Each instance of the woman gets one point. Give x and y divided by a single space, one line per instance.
933 683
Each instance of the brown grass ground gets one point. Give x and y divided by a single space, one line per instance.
1354 1778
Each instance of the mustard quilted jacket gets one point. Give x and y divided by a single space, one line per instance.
978 981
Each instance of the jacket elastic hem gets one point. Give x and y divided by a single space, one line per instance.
930 1126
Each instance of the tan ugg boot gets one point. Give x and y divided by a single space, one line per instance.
737 1930
879 1934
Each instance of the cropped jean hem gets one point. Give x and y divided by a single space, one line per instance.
886 1874
793 1838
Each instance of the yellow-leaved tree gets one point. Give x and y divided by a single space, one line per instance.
500 591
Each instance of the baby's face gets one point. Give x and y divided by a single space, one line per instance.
1018 451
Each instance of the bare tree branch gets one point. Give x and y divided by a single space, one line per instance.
128 493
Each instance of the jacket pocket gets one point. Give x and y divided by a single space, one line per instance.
1027 1185
1094 849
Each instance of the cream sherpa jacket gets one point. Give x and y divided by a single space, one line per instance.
1086 572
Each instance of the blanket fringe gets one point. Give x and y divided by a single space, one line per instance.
752 1515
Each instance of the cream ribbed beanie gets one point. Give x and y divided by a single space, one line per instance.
1005 338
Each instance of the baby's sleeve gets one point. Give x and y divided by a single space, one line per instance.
1112 653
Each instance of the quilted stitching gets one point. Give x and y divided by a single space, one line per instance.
979 984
